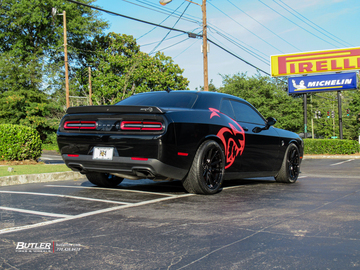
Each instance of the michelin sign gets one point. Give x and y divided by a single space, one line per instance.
331 82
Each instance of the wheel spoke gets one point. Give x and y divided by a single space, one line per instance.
209 155
293 164
212 168
216 162
214 155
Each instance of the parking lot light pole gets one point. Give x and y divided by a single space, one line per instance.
204 36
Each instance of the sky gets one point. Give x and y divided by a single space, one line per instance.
252 30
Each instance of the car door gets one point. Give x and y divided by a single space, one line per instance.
261 149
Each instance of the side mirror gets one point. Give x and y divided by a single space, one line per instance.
270 121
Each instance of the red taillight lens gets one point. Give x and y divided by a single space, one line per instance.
80 125
138 158
139 125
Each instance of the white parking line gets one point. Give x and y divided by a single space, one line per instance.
126 190
339 163
34 212
63 196
20 228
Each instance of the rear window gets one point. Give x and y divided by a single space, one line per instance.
163 99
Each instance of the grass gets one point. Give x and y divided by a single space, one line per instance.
32 169
36 168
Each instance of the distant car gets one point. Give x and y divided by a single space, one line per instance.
200 138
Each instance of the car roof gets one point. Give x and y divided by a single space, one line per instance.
198 92
204 100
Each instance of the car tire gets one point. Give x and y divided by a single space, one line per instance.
104 179
206 174
290 168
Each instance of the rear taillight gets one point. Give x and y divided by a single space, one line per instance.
80 125
141 125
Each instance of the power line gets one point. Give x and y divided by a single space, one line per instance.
160 10
244 48
219 42
169 30
307 20
296 23
263 26
241 46
159 41
246 62
163 9
245 27
184 50
127 17
161 21
163 49
166 27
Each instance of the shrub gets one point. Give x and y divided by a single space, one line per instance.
19 143
328 146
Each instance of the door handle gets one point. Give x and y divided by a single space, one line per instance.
245 128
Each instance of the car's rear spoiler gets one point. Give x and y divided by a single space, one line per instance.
114 109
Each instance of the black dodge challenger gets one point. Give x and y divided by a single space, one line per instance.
200 138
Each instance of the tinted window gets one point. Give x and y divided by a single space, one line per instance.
245 113
227 109
177 100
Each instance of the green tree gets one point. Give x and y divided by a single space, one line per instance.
269 96
212 87
20 101
31 53
352 127
120 69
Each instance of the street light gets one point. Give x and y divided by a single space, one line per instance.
54 13
204 35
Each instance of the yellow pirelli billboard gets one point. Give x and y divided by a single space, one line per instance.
315 62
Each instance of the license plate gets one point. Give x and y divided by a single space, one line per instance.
103 153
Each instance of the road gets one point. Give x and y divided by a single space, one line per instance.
51 157
251 224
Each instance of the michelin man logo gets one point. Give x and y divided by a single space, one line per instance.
299 86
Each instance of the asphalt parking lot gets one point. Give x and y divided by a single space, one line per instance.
251 224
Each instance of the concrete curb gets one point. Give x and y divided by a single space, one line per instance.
39 178
331 156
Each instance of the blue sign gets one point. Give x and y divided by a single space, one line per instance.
319 83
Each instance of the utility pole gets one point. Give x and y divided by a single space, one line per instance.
54 13
204 36
204 25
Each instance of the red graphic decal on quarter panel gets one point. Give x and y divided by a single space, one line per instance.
214 112
232 138
233 141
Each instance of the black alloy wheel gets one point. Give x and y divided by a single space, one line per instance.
207 171
212 171
290 168
294 164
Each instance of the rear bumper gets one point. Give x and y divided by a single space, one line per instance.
125 167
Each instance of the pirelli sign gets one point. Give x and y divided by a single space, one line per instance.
315 62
